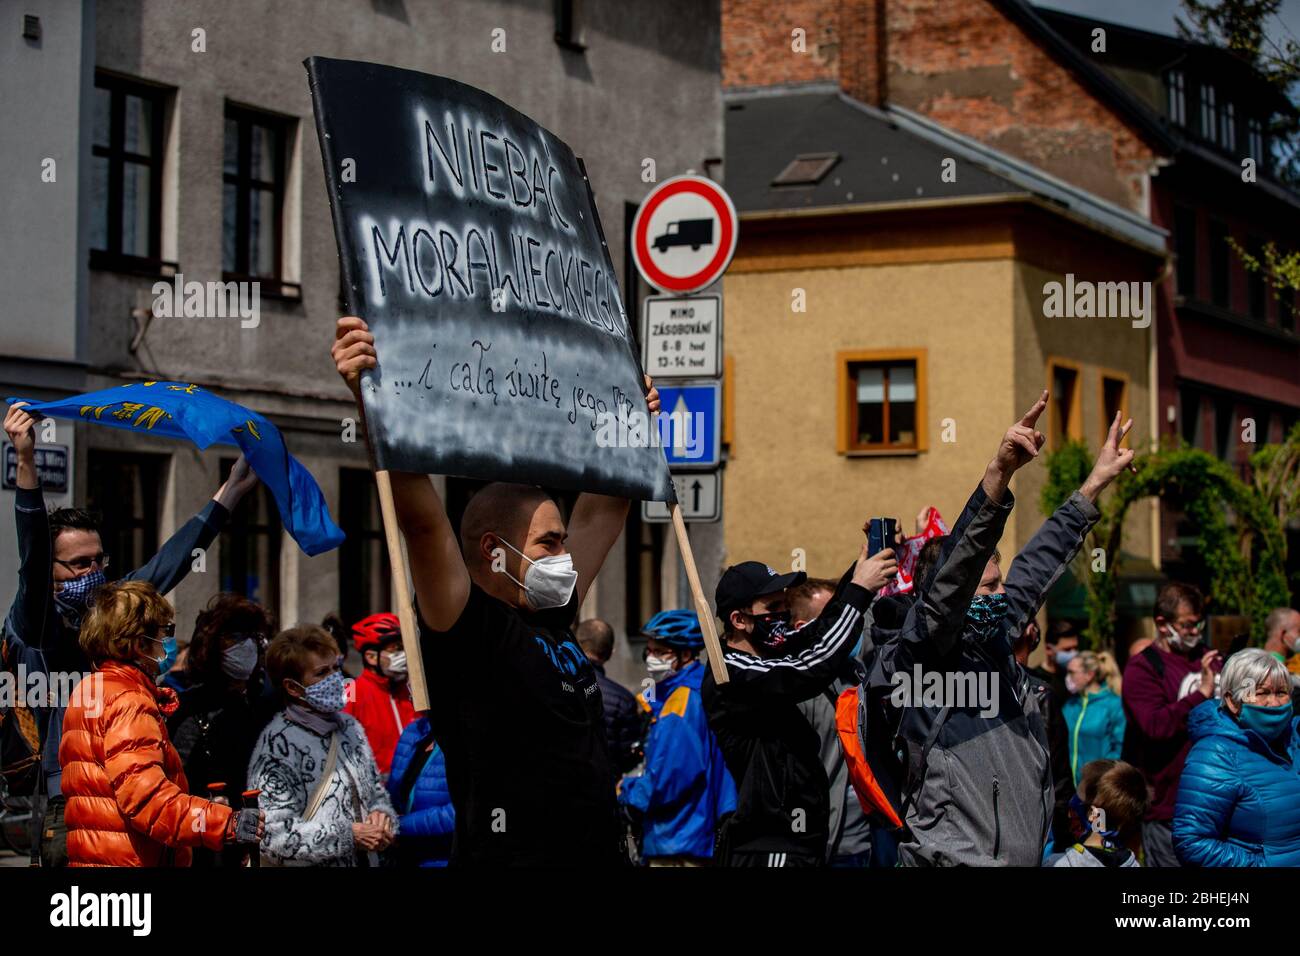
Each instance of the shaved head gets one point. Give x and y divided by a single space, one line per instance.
500 508
501 522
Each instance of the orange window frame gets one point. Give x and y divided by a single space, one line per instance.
1103 376
1073 427
847 406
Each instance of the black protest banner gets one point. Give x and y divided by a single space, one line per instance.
470 244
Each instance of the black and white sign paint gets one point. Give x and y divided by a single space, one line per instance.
469 242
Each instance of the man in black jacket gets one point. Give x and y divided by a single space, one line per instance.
622 718
782 803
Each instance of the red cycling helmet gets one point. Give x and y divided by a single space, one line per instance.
375 630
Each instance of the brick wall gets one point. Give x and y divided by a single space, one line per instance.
757 41
960 62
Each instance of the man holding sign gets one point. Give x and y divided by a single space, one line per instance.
514 702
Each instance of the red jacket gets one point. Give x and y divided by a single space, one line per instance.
383 714
127 797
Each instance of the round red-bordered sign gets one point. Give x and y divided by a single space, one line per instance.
695 267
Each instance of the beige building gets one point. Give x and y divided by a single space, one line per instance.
886 323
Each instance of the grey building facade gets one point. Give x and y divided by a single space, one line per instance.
182 142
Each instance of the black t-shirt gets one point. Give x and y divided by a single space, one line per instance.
516 708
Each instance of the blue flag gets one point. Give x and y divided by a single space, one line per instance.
177 410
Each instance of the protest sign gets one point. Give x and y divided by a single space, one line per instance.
470 244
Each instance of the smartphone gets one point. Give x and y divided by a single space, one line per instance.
882 533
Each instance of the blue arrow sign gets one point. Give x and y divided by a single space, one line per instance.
690 425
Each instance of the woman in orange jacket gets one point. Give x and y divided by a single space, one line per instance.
127 798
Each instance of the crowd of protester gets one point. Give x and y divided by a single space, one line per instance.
250 745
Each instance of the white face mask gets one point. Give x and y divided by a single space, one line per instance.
659 667
548 582
238 662
396 666
1177 640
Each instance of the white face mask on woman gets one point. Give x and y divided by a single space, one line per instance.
548 582
239 661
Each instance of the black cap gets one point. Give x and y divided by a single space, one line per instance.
742 584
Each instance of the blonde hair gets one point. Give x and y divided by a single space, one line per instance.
122 613
1102 665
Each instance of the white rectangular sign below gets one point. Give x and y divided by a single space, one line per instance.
700 497
682 336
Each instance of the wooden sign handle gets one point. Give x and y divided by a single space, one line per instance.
702 609
405 610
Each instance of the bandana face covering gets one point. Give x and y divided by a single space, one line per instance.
76 594
772 630
985 615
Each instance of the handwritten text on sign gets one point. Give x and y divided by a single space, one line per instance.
473 249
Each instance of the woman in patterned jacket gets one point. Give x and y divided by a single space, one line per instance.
324 800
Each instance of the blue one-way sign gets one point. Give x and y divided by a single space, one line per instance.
691 424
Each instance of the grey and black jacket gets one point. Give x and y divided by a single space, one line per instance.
977 787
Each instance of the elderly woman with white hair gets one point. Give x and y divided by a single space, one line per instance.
1239 798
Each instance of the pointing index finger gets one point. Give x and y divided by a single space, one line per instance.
1031 417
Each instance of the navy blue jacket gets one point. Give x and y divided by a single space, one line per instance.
622 723
426 819
42 641
1239 799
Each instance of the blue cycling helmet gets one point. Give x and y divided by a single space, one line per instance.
677 628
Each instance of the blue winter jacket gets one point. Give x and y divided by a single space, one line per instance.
1094 724
1239 800
686 787
426 820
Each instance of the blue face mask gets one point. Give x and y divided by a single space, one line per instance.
168 660
985 615
1063 658
1081 826
75 595
1269 722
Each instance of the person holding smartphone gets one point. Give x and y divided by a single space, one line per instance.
1162 685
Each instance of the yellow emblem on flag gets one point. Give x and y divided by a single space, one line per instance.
150 417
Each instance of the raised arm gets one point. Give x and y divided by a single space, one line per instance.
437 565
35 558
598 520
1052 548
175 558
935 623
834 633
